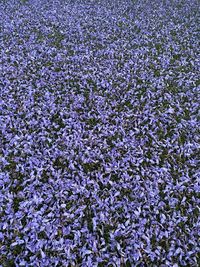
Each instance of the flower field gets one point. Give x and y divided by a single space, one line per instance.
99 133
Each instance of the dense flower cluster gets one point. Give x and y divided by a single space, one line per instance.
99 133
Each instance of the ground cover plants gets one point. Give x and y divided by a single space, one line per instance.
99 133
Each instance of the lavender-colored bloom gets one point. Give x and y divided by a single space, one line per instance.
99 133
